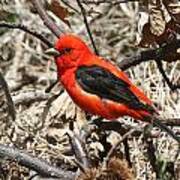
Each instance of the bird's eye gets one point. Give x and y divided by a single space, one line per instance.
67 50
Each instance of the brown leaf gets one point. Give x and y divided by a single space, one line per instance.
173 8
156 17
161 22
59 11
147 38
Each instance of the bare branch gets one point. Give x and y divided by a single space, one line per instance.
172 86
110 153
36 164
46 19
158 55
10 102
29 97
51 86
27 30
127 151
112 2
71 7
171 121
151 153
148 55
87 26
48 105
79 150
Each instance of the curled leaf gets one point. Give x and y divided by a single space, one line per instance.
156 18
162 22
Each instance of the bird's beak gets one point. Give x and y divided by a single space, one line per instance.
52 52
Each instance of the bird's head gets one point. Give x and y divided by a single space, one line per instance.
69 49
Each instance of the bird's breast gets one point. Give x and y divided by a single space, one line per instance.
88 102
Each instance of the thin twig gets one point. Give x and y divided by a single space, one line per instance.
10 102
171 121
87 26
111 152
79 150
29 97
27 30
127 151
172 86
151 151
122 129
79 165
47 107
112 2
34 163
46 19
70 6
51 86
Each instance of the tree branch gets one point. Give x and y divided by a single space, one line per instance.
36 164
172 86
87 26
158 54
114 147
112 2
79 150
149 55
29 97
46 19
27 30
10 102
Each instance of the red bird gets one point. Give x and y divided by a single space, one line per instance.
97 86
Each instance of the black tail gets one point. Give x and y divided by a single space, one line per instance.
163 127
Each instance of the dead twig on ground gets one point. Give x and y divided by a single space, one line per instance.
10 102
36 164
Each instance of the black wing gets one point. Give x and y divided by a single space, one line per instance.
100 81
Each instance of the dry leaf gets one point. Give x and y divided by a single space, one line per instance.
59 11
160 23
156 17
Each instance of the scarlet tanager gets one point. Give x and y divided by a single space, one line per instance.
97 86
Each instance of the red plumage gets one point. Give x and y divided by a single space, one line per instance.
98 86
81 55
